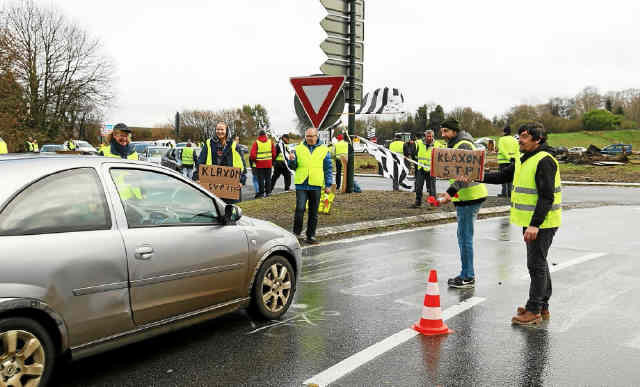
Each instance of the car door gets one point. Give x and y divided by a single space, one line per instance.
181 258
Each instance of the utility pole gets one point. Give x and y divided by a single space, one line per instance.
352 107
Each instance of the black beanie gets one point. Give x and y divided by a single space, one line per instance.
451 123
507 129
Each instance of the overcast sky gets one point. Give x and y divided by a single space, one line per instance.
489 55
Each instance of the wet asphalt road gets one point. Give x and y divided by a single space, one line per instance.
355 293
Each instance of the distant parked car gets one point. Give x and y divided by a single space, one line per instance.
86 148
615 149
173 158
51 148
577 150
153 154
141 147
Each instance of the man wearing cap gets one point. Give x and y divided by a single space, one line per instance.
423 171
536 206
508 152
279 166
263 152
340 149
118 143
467 197
312 162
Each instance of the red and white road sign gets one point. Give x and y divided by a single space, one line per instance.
317 94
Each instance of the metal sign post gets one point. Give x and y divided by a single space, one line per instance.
344 47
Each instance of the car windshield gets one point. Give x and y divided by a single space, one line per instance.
154 152
51 148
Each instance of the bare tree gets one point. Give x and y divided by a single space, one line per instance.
587 100
64 76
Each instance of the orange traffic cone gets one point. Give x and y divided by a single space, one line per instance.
431 321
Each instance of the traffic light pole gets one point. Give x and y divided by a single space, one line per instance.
351 96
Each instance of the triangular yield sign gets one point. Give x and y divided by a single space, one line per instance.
317 94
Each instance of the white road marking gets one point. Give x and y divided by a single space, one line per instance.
351 363
570 263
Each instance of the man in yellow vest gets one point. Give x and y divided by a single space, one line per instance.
28 147
70 145
340 149
312 162
397 146
187 159
423 172
36 148
263 152
508 152
536 206
279 166
467 197
3 147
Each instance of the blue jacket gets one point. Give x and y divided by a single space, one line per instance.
326 166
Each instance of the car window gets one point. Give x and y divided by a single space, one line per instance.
67 201
155 199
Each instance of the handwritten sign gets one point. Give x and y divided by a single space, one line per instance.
450 163
224 182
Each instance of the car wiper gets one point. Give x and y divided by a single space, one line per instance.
205 215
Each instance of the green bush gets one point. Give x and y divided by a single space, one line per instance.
628 124
601 120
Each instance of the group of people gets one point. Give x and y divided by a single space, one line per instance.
536 200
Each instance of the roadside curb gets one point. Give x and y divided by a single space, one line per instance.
594 183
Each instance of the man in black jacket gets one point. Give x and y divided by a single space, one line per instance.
536 207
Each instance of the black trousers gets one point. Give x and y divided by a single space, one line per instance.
338 173
424 178
540 287
264 180
280 169
313 197
506 187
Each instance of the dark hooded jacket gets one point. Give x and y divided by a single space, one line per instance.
545 182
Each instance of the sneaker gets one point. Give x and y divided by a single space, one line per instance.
463 283
311 241
416 205
544 313
527 318
450 281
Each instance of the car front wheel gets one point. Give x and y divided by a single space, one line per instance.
274 288
27 355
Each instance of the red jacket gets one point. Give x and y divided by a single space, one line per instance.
254 153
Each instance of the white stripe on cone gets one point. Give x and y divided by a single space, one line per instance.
431 313
432 289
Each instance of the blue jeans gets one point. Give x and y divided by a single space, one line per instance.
256 186
467 216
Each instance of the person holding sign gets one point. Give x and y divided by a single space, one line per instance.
217 150
467 197
312 162
536 206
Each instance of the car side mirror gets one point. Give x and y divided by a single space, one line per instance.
232 213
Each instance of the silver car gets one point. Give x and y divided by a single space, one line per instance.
97 253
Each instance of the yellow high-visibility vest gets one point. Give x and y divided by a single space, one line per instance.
341 148
187 156
107 153
524 196
508 148
310 165
237 158
396 146
474 190
3 148
264 151
424 155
